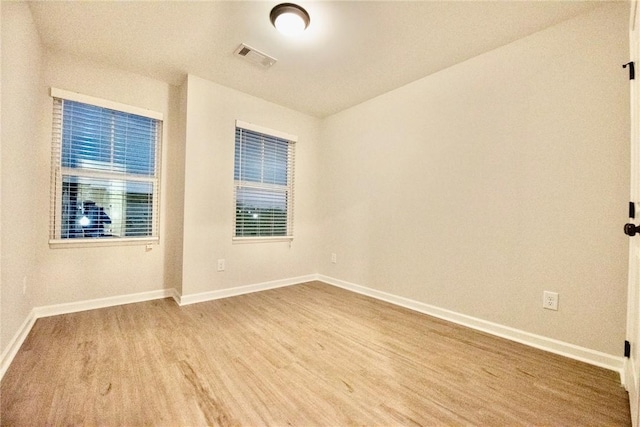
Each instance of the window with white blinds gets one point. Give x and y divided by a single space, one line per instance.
105 171
263 177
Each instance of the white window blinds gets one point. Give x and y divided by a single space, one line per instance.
105 173
263 177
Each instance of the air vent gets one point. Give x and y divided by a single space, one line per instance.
255 56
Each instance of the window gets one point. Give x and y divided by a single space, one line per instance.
105 171
263 177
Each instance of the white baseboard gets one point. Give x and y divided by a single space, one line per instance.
631 384
572 351
14 345
241 290
72 307
548 344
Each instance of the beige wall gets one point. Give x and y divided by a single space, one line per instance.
473 190
23 165
479 187
208 199
173 191
68 275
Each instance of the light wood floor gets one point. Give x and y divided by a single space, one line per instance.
304 355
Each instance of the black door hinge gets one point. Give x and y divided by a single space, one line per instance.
632 70
632 210
627 349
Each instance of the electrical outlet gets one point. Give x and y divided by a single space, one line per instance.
221 264
550 300
334 258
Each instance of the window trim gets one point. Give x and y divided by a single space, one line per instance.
105 103
292 139
57 170
89 242
261 129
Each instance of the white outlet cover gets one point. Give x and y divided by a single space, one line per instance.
550 300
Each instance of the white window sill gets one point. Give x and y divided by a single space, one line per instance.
101 241
262 239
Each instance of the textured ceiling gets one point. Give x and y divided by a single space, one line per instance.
351 52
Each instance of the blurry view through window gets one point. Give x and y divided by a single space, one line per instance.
105 173
263 176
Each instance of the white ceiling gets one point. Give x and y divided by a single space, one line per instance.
351 52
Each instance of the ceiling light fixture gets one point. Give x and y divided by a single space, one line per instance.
290 19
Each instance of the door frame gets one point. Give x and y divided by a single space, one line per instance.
631 378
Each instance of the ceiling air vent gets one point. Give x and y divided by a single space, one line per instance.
255 56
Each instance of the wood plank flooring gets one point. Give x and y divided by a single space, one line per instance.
304 355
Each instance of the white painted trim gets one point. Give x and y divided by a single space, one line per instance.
105 103
631 382
572 351
261 129
175 294
633 297
93 242
551 345
14 345
241 290
73 307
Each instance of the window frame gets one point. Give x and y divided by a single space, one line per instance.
57 169
290 187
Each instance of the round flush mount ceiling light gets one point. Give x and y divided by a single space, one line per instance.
290 19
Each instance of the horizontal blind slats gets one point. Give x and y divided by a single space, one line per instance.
263 173
106 139
104 172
